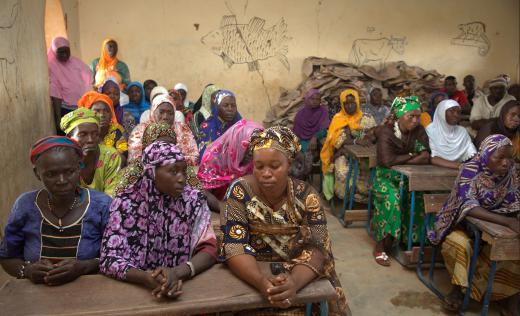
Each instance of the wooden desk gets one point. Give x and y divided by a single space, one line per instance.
215 290
361 152
505 243
428 177
421 178
356 154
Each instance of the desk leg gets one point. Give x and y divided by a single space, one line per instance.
353 187
347 187
410 228
491 278
324 308
308 309
401 190
369 208
472 266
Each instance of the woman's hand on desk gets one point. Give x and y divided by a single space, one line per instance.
69 270
283 291
36 272
170 283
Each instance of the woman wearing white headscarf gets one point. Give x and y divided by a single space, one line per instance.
450 143
159 90
183 90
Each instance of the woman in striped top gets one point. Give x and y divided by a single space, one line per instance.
53 235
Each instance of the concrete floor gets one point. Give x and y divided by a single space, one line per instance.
376 290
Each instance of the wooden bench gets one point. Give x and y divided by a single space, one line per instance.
356 154
216 290
421 178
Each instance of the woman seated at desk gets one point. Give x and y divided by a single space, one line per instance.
488 189
53 235
450 143
272 217
402 141
159 232
348 127
507 124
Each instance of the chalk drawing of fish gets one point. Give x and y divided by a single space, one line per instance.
248 43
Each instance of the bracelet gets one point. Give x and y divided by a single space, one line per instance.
192 268
21 272
354 141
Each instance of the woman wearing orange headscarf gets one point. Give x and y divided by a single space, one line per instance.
109 66
348 127
112 134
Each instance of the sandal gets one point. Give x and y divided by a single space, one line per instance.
453 301
382 258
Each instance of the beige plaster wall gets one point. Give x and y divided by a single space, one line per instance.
159 39
54 21
25 110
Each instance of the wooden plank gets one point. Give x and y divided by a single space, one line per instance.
430 183
99 295
427 258
422 171
356 215
494 230
503 249
361 151
434 202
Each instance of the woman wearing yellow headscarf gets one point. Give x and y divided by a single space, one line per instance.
348 127
109 66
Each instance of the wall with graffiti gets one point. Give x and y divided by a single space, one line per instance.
256 47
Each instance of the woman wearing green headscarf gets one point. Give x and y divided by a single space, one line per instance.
204 111
401 141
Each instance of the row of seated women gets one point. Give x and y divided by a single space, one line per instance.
156 231
487 186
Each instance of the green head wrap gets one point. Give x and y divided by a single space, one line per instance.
79 116
403 105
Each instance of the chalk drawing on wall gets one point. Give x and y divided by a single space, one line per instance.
8 34
375 52
473 34
248 43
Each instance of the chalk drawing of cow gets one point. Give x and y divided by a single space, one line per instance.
375 51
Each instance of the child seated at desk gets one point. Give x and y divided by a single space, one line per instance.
402 141
348 127
487 188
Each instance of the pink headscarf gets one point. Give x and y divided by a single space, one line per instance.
221 163
69 80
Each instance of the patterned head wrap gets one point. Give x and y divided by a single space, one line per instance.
50 142
403 105
277 137
134 170
205 108
79 116
497 82
155 131
490 145
160 154
158 100
221 95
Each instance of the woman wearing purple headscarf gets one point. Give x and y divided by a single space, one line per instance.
312 121
487 188
159 231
